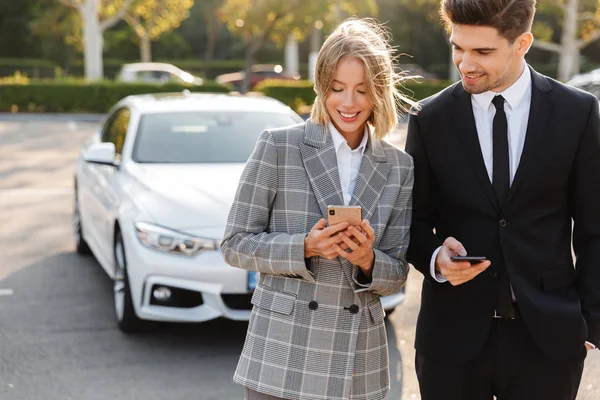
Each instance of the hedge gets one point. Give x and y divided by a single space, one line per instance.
39 68
81 96
21 94
297 94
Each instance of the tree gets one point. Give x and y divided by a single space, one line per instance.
209 9
15 37
259 20
580 27
151 18
96 17
57 29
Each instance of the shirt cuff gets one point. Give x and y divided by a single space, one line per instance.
591 344
436 275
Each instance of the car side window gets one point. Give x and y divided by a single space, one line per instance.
115 130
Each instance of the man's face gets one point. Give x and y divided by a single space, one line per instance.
486 60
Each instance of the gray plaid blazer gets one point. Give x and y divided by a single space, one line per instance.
292 350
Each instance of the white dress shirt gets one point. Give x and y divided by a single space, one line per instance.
348 160
516 106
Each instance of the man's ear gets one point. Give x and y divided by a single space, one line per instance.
523 43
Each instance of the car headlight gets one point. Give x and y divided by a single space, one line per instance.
170 241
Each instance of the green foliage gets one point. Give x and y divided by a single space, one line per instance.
171 45
298 94
154 17
75 95
295 94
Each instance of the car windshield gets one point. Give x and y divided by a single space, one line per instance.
202 137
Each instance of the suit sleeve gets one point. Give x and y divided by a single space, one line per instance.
586 229
246 243
423 239
390 268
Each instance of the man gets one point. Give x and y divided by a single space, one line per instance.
507 166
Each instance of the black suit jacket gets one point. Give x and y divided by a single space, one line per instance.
557 184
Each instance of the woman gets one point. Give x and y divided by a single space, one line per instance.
317 327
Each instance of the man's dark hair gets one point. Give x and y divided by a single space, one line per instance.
510 17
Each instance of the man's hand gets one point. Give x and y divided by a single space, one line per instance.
320 240
457 272
359 239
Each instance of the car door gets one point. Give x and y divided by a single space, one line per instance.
103 196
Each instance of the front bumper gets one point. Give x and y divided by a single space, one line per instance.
223 289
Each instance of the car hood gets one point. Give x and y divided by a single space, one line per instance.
191 198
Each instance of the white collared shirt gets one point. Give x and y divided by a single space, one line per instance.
516 106
348 160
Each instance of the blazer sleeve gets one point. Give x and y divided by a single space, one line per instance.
390 268
586 217
246 243
423 239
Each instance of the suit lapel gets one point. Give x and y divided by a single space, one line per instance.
320 162
464 120
539 115
372 177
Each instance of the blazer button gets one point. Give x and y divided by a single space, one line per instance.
494 274
353 309
502 223
313 305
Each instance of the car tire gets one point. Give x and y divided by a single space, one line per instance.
127 319
81 245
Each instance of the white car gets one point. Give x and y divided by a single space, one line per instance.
152 72
152 192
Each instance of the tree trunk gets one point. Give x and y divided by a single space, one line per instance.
291 55
145 48
93 42
568 64
315 45
249 61
211 39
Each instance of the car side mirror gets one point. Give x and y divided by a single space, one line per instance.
101 153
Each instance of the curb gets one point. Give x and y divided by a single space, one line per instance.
31 117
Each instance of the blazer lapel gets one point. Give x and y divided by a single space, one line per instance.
320 162
539 115
462 112
372 177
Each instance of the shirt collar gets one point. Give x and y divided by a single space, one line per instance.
513 94
338 139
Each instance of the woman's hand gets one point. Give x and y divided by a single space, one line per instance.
320 240
359 241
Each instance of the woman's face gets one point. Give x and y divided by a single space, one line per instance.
347 102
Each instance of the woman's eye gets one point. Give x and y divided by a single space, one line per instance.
361 91
336 90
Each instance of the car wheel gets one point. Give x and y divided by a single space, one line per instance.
81 245
127 320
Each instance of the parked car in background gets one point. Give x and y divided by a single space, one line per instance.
152 192
156 73
260 72
414 70
589 81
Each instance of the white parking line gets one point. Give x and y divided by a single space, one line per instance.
6 292
36 192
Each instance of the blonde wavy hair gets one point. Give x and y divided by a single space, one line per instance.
368 41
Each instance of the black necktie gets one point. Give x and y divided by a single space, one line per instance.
501 183
501 172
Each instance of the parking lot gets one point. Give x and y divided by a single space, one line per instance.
58 338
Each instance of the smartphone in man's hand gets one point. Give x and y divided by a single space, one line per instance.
471 259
